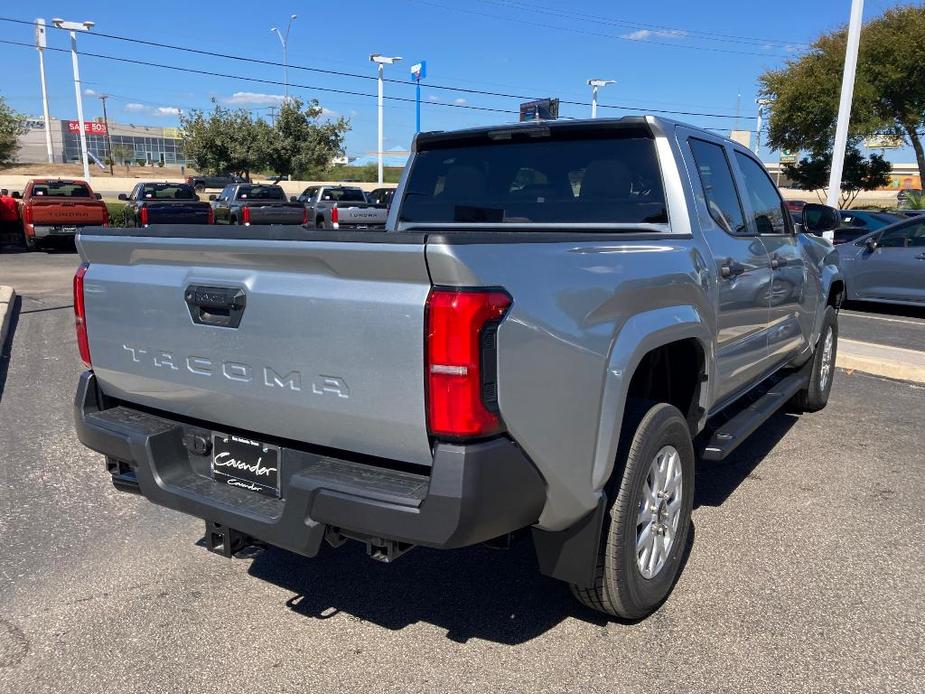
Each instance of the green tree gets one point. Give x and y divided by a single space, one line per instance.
889 91
300 143
122 154
12 125
812 173
224 140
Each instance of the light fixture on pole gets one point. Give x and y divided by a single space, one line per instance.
41 41
418 72
73 28
595 85
381 61
844 106
762 103
284 40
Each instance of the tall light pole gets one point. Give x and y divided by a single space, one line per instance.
102 98
381 61
762 103
595 85
74 27
284 39
41 41
844 105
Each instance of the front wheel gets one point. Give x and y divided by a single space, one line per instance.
645 532
815 395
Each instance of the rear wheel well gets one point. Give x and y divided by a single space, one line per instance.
836 294
672 373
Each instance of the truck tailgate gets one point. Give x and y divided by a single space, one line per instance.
57 211
361 215
290 213
328 349
178 213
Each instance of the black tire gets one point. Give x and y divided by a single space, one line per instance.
620 588
30 242
319 222
233 220
816 394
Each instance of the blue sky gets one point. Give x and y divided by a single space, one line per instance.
681 56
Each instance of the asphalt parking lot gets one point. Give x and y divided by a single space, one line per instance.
807 568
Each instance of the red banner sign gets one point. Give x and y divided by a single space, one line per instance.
90 127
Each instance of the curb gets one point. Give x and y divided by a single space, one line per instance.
7 301
880 360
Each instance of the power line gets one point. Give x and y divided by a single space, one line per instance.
210 73
340 73
597 19
597 34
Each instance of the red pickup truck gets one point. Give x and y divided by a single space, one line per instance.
55 208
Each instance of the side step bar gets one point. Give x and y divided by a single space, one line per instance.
729 435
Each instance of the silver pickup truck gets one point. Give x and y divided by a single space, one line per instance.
342 207
560 318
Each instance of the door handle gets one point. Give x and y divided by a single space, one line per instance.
731 269
220 306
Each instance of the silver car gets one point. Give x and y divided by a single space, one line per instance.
887 265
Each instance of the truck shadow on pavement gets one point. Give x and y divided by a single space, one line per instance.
476 592
6 347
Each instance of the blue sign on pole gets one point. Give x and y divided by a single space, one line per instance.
418 72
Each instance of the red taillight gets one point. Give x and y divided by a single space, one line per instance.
27 214
80 316
460 362
211 215
246 215
143 215
335 217
304 216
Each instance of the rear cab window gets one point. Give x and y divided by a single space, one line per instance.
536 176
257 192
167 191
61 189
345 194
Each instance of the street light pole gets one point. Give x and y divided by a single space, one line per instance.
103 97
40 43
381 61
73 28
284 40
595 85
844 105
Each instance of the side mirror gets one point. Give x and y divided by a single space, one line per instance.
17 195
293 198
123 196
871 244
212 198
98 196
819 218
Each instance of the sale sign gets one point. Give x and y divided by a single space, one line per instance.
90 127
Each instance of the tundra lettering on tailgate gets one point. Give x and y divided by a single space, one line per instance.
239 371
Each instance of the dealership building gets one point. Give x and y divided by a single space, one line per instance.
137 143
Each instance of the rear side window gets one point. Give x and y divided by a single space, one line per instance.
771 217
550 180
719 188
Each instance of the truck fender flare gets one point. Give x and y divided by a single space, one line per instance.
829 274
638 336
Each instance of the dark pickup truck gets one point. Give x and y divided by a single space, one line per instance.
165 203
251 203
200 183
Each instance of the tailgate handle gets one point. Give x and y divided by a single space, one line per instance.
219 306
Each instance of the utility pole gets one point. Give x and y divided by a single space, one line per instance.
284 40
595 85
844 105
73 28
103 97
381 61
41 41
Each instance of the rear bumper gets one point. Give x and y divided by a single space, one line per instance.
473 493
44 231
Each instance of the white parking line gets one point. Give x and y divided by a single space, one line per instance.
852 314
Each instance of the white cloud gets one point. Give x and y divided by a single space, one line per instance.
433 98
644 34
89 92
459 101
329 113
167 111
254 98
135 108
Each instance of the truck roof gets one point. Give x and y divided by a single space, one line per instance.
648 123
